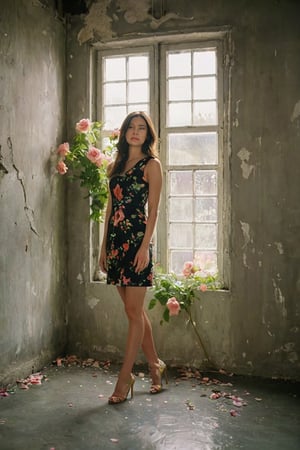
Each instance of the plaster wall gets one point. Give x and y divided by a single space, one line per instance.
254 327
32 196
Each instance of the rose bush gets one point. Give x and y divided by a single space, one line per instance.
178 293
88 163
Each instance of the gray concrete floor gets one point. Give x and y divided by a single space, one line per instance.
69 410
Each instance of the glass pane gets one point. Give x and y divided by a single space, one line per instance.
114 69
138 107
177 260
179 64
206 261
138 91
205 113
138 67
206 182
206 236
181 209
181 235
204 62
179 114
114 93
180 89
204 88
192 148
114 116
206 209
181 183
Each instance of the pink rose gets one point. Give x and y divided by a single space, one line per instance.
188 268
61 167
83 126
118 217
173 306
63 149
94 155
203 287
115 134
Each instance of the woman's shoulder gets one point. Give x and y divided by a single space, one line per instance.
153 161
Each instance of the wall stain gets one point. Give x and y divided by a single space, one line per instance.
244 156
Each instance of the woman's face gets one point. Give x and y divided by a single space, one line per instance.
136 133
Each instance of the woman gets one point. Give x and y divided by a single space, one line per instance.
135 181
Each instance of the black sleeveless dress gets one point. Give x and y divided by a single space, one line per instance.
126 227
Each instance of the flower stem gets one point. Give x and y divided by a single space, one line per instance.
188 310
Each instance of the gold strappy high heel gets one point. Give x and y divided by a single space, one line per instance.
159 369
116 399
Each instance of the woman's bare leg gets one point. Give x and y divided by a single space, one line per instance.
133 298
148 345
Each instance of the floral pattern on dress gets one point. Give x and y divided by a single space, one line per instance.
126 227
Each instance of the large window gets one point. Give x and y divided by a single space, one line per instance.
181 87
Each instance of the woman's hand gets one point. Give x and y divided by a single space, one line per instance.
141 260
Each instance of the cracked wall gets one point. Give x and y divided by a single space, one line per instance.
32 241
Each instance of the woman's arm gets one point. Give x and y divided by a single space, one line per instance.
153 175
102 259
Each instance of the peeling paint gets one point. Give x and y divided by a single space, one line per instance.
246 233
236 120
279 298
279 247
79 278
296 112
97 23
244 156
92 302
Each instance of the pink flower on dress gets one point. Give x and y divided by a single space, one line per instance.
125 246
83 126
118 217
61 168
63 149
125 280
173 306
118 192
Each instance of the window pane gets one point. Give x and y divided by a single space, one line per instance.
206 236
206 209
205 113
114 93
204 88
138 107
114 69
177 260
206 261
192 148
181 209
181 183
204 62
179 114
113 117
138 91
138 67
206 182
180 89
181 235
179 64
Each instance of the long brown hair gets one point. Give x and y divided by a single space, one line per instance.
148 148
